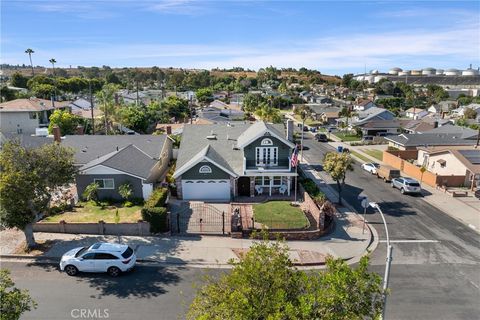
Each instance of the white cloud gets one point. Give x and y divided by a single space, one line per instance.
181 7
348 52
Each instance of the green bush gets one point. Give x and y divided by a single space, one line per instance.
125 191
128 204
91 192
310 187
137 201
157 216
157 198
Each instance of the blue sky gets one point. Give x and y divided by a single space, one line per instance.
335 37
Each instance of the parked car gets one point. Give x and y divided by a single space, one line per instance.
305 128
304 147
371 167
99 257
321 137
406 185
367 138
387 173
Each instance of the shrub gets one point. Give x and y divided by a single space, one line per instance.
310 187
157 216
125 191
128 204
157 198
91 192
137 201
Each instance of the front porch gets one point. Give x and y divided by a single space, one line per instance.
278 186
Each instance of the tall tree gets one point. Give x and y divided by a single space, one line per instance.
30 52
18 80
268 113
337 165
204 95
53 61
13 301
66 121
265 285
27 180
106 98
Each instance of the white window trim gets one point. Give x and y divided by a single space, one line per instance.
205 169
272 179
113 183
267 142
260 151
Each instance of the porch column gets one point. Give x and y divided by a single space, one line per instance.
270 186
288 185
252 187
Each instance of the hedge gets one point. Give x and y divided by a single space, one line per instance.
157 216
157 198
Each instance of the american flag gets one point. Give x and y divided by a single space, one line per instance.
294 160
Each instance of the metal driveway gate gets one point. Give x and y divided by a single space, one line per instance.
200 218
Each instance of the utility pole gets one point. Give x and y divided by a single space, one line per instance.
91 105
190 107
137 92
388 260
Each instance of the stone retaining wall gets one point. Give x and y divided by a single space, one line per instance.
141 228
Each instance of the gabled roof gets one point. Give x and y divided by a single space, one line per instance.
129 159
30 105
460 132
372 113
223 149
208 154
89 147
429 139
259 129
469 157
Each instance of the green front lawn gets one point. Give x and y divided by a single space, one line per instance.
89 212
279 215
360 156
308 122
377 154
347 136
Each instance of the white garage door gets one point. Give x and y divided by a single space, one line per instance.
206 189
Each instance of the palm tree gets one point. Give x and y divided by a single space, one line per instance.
29 52
53 61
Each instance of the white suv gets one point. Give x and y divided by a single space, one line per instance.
99 257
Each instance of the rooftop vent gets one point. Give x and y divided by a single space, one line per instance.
234 147
212 137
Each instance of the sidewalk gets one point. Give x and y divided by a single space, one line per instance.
466 210
346 241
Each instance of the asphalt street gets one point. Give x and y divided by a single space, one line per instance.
436 259
161 293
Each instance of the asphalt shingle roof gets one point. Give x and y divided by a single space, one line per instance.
222 149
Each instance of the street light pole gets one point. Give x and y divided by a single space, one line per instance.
388 260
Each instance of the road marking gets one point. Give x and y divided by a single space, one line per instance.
410 241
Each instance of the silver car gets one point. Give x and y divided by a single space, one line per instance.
406 185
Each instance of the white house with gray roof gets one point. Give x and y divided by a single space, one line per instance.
224 161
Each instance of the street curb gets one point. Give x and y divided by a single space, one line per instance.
55 261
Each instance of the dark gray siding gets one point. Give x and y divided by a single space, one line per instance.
284 151
193 173
83 180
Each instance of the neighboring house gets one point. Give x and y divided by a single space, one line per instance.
141 160
222 105
305 95
82 108
320 99
442 108
379 127
324 112
460 111
23 116
214 114
447 135
364 105
416 113
452 161
223 161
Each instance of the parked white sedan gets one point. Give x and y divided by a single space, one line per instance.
371 167
99 257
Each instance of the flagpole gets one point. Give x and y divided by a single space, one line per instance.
296 175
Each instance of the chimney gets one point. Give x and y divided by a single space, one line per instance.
169 129
57 136
290 130
79 130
